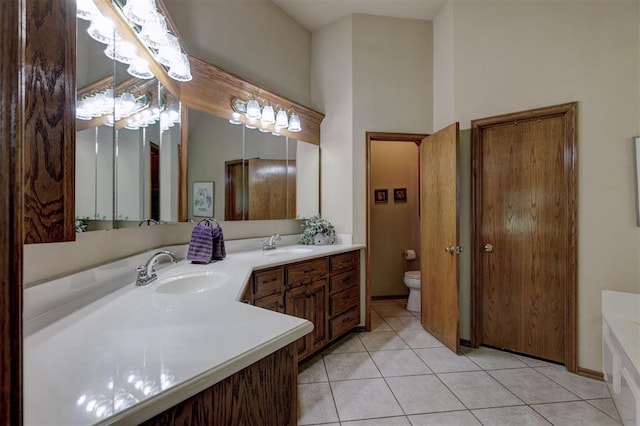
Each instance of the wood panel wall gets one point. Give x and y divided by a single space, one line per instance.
10 214
49 122
265 393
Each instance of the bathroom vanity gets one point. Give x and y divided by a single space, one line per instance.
185 349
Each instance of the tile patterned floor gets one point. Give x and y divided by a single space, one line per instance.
398 374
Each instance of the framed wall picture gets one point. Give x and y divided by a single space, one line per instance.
399 195
203 196
381 196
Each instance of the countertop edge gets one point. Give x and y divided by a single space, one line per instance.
151 407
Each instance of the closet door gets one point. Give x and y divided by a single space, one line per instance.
524 212
439 260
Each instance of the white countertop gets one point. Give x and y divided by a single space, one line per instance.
621 311
136 351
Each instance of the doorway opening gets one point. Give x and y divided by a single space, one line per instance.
392 223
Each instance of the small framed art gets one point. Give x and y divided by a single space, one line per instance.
203 199
399 195
381 196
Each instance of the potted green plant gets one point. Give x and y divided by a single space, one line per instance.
318 231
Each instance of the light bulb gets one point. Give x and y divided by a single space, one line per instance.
282 120
268 115
294 123
253 109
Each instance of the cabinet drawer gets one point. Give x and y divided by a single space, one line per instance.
345 261
274 302
306 272
344 300
344 322
267 282
343 280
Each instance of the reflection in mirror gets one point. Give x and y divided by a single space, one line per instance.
268 184
94 142
169 167
213 142
307 162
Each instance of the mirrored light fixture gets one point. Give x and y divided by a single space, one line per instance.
102 103
263 118
149 25
140 69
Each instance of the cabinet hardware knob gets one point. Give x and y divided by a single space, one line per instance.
488 248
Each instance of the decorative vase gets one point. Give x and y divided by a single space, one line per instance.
320 239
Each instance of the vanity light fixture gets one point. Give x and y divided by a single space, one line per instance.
150 27
263 118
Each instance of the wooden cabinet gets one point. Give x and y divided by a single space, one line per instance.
325 291
264 393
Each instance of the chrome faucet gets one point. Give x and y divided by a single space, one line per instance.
270 244
147 273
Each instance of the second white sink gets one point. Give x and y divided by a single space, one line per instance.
288 250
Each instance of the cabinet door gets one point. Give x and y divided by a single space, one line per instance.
296 305
317 313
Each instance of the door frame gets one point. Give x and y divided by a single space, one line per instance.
568 113
381 137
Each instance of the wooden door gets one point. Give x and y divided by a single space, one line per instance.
524 218
439 260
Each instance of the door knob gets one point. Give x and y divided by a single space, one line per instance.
488 248
458 249
450 249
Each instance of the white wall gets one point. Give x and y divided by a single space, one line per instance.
129 175
512 56
332 90
307 158
253 39
371 73
86 173
392 90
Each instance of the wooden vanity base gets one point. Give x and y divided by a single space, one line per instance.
265 393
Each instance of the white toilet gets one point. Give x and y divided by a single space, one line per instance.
412 281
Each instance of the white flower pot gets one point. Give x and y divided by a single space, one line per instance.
320 239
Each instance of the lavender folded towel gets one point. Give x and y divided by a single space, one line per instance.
201 244
219 251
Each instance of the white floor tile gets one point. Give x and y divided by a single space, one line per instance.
399 363
382 340
364 399
443 360
578 413
492 359
313 371
449 418
607 406
531 386
419 339
315 404
399 323
476 389
350 366
423 394
384 421
510 416
380 325
348 344
584 387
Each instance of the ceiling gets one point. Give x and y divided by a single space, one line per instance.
315 14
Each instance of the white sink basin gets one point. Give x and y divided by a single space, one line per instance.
191 283
288 250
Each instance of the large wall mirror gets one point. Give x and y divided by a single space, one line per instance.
128 151
254 175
